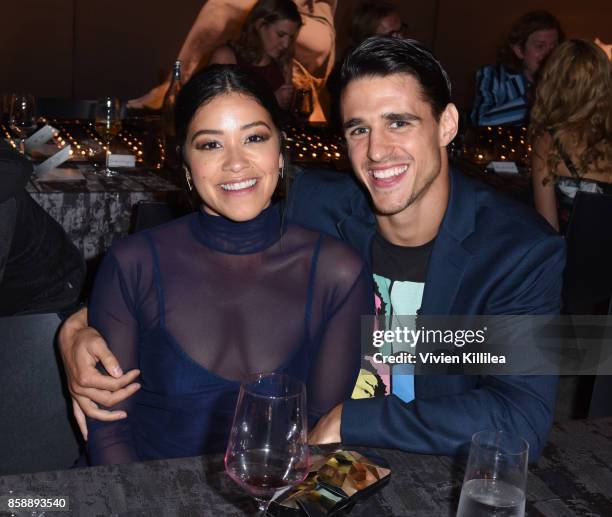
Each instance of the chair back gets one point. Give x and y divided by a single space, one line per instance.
147 214
36 429
588 273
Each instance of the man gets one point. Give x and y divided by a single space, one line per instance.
451 245
40 269
504 90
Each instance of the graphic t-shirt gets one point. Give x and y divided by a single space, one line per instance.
399 282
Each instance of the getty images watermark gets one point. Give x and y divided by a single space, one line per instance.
490 345
412 337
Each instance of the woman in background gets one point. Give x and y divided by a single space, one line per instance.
571 129
266 46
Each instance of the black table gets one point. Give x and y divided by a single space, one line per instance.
573 477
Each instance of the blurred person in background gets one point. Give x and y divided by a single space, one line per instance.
266 46
375 19
219 21
369 18
504 90
571 132
40 268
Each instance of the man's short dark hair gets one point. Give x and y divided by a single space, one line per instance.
381 56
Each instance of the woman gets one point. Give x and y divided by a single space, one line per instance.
504 90
266 45
203 302
571 129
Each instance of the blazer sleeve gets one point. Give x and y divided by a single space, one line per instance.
15 171
520 404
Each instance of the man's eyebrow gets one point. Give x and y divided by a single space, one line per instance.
395 117
219 132
352 123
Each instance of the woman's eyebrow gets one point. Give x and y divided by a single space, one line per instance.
220 132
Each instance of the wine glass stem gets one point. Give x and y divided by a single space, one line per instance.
262 507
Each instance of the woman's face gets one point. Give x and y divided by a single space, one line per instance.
277 37
232 149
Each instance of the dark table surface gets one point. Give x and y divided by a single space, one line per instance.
573 477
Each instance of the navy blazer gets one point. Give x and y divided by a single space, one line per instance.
492 255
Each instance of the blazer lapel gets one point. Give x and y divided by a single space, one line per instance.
449 257
359 228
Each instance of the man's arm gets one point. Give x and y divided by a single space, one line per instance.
444 425
500 98
82 348
15 171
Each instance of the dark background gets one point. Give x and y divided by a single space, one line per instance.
91 48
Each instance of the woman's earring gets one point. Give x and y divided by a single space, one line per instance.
188 177
281 171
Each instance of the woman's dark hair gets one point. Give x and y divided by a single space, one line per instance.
367 17
380 56
249 45
215 80
524 27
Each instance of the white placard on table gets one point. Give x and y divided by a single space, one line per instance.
53 161
42 136
121 160
503 167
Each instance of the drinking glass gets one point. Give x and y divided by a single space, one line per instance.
267 448
496 476
108 125
302 105
22 116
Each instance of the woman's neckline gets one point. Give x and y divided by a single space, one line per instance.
239 238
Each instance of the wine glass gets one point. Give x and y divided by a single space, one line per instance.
108 125
268 448
22 116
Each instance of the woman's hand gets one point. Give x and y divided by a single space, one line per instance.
82 348
284 96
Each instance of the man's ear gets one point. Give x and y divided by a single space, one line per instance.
449 124
518 52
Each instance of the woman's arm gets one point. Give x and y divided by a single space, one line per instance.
543 194
348 285
113 312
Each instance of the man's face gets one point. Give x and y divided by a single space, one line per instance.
395 143
538 46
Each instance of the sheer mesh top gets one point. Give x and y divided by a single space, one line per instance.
202 303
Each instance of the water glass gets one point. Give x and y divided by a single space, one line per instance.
496 476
